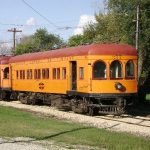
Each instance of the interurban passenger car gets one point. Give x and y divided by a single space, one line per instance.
86 79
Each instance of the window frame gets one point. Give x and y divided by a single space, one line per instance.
17 74
64 73
29 74
6 73
54 73
21 74
45 73
81 74
37 74
130 77
99 78
119 78
58 73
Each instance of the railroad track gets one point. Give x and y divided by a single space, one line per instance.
139 121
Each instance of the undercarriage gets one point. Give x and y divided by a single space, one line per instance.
115 104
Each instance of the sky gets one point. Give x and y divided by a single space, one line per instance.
57 16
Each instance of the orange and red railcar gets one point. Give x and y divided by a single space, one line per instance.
87 79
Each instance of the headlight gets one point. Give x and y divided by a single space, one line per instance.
118 86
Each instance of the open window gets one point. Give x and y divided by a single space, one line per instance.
116 70
99 70
81 73
64 73
37 74
29 74
130 69
6 73
45 73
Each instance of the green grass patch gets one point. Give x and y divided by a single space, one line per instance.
148 97
17 123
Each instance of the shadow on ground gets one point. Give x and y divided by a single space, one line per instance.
43 138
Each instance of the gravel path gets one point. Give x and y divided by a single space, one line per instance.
22 143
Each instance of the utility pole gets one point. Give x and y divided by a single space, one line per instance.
137 27
14 30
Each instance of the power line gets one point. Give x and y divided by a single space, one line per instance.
9 41
59 28
11 24
50 22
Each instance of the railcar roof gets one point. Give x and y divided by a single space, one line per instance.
4 59
93 49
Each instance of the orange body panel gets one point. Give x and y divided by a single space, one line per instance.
61 86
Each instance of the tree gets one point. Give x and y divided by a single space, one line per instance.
41 40
25 48
76 40
45 41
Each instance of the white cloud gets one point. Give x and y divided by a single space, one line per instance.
84 20
31 21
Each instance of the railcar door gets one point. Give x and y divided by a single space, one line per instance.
73 76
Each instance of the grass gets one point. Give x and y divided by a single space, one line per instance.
17 123
148 97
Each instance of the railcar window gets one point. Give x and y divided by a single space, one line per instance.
6 73
115 69
45 73
99 70
54 73
21 74
130 69
81 73
29 74
58 73
17 74
64 73
37 74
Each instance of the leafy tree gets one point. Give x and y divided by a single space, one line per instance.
76 40
41 40
26 45
25 48
45 41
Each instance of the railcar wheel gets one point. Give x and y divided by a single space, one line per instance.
79 106
121 103
23 98
2 95
93 111
5 95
